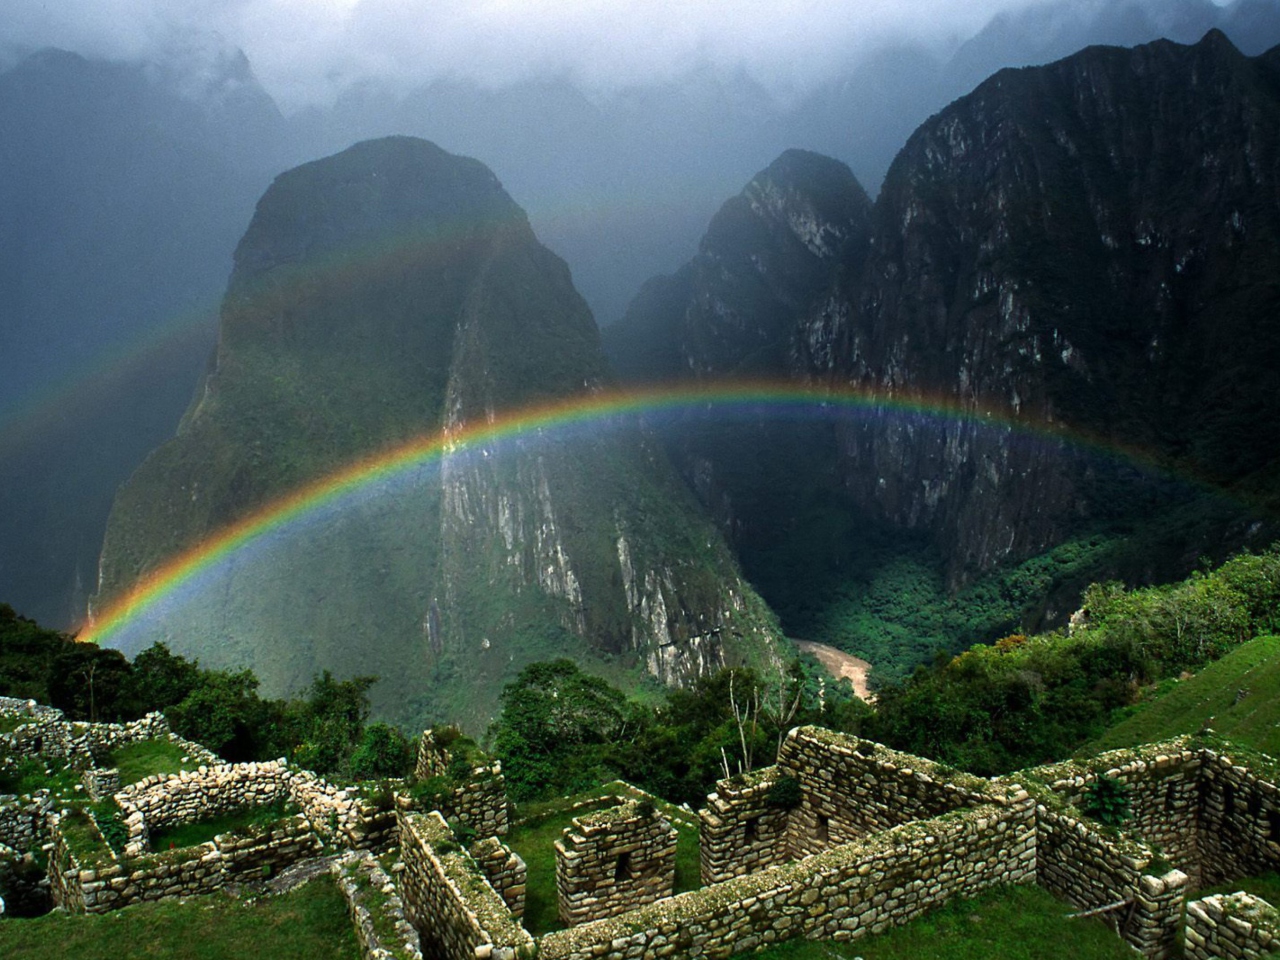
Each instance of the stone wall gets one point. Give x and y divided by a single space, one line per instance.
1212 816
844 893
163 800
614 860
1231 925
86 876
449 901
376 912
348 817
22 820
851 788
89 744
100 782
1239 819
741 831
480 802
355 817
504 870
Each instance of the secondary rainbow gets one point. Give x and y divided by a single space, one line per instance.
596 407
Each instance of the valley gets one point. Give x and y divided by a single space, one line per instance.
938 467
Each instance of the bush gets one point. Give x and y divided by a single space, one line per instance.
383 751
784 794
1107 801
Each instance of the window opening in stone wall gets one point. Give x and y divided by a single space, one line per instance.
1255 806
1228 799
1273 825
623 869
752 832
1170 795
823 829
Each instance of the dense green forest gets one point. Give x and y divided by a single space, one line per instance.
325 730
992 709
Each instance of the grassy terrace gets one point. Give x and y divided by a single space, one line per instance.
310 923
1011 923
1215 692
202 831
540 826
136 761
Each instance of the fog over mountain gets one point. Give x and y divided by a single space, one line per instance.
128 169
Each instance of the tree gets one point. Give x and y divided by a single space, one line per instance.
383 751
328 723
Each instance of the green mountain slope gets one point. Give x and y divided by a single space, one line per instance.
392 292
1236 696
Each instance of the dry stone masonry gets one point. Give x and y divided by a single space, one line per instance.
844 838
504 870
614 860
840 839
1231 925
43 732
375 909
479 800
448 899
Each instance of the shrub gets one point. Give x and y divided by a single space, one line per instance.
784 793
1107 801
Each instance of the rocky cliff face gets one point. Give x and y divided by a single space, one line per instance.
1090 245
391 291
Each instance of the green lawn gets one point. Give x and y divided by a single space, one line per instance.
1009 923
1185 706
309 923
201 831
534 840
147 757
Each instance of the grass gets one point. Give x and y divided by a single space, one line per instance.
309 923
534 837
1266 886
136 761
202 831
32 773
1012 923
1187 705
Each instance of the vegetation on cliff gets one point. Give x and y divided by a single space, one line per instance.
1028 700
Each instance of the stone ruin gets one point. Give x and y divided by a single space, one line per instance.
844 838
841 838
479 800
614 860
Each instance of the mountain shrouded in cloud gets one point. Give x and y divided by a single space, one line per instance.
389 292
121 199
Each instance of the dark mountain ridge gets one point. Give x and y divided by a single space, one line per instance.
1090 246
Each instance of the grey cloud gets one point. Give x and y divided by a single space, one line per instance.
307 50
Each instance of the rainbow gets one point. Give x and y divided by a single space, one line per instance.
778 399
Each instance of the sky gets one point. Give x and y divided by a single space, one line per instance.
306 51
